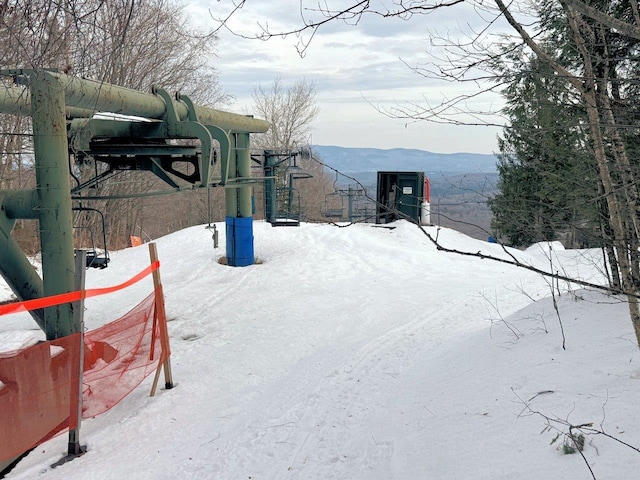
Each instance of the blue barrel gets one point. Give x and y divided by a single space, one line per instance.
239 241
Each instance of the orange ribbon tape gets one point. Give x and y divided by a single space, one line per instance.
59 299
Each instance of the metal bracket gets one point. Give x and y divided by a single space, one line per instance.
216 133
225 151
192 128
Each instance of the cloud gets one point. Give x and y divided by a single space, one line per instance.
357 68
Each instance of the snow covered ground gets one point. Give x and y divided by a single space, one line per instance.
362 353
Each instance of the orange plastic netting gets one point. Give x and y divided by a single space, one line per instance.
38 385
37 393
118 356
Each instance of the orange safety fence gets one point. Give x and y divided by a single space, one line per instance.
119 356
37 393
135 240
54 300
39 384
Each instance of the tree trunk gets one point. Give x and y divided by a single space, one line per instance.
634 313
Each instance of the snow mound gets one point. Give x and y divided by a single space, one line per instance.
545 247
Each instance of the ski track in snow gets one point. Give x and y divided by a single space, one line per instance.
319 414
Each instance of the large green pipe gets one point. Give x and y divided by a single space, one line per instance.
230 194
16 269
20 204
54 194
17 100
93 96
243 155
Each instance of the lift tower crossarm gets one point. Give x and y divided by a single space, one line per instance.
94 96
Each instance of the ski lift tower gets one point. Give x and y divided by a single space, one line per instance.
62 110
281 198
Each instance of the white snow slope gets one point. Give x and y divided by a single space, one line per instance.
363 353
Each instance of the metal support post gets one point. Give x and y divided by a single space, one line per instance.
239 220
270 193
231 204
350 203
243 155
74 447
230 194
52 177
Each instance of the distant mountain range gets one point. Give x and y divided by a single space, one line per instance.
361 160
460 182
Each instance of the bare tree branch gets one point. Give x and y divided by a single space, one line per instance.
351 14
562 71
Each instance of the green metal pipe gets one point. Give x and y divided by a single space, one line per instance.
17 100
54 191
20 204
93 96
243 166
230 194
16 269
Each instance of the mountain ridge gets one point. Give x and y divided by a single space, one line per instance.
354 159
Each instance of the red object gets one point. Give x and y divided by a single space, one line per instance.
427 190
73 296
37 393
119 356
39 384
135 241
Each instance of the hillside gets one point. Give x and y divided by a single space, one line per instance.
363 353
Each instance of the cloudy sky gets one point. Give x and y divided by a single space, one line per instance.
358 70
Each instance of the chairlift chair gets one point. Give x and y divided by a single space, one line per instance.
95 257
334 202
333 205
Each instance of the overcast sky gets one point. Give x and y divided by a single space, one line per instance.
356 69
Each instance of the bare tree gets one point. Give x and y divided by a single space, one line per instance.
291 111
132 43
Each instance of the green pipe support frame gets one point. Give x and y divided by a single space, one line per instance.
51 98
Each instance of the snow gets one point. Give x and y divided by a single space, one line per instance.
363 353
16 340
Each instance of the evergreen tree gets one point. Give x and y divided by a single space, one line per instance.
547 181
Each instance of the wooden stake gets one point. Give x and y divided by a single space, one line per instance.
162 325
